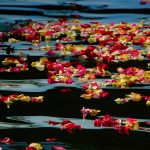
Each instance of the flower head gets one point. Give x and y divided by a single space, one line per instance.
34 146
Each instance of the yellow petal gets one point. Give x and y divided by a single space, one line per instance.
94 112
134 126
135 96
133 79
42 32
40 66
37 146
12 40
86 96
7 62
33 64
43 59
25 98
148 103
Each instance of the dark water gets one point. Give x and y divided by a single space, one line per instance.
104 11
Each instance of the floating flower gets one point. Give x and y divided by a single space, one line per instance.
53 122
22 97
40 65
147 76
38 99
122 100
105 121
97 122
34 146
71 127
130 76
19 64
86 111
67 125
86 96
12 40
133 97
50 53
122 126
9 60
132 123
148 103
10 99
93 90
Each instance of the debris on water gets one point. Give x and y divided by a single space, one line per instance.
9 49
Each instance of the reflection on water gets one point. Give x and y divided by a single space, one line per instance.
4 125
10 85
104 11
42 121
